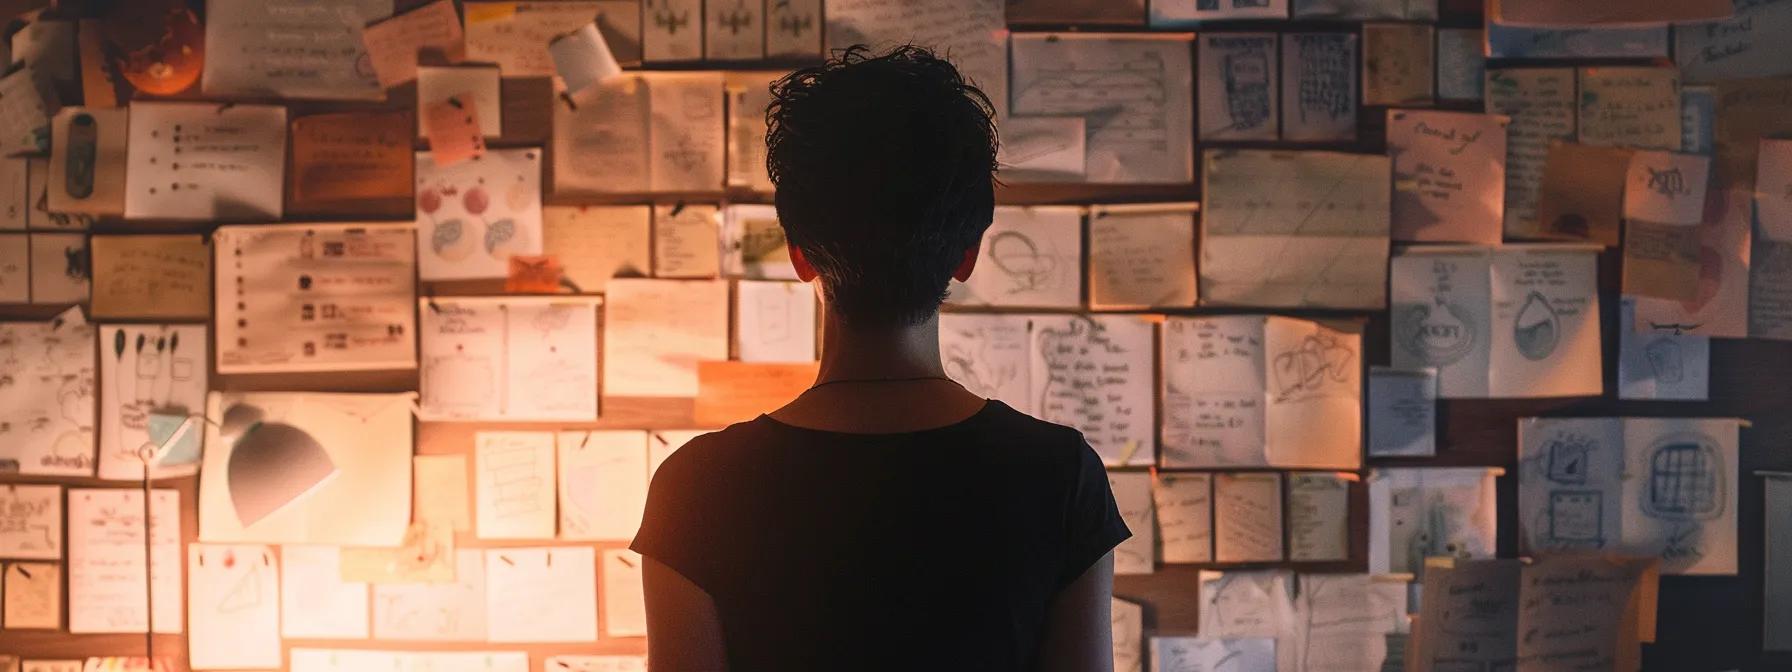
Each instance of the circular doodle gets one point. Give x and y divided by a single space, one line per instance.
1440 335
1536 330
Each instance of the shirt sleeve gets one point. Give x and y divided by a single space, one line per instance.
1093 519
672 521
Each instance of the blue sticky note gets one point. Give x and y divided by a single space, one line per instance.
1505 41
184 450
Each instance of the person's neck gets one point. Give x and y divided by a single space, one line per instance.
850 352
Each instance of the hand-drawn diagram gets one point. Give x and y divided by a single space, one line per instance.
1322 361
1421 512
1033 259
1667 360
31 522
1439 334
1323 71
514 478
1640 486
246 592
1536 330
47 398
1132 93
1238 86
516 358
753 244
1248 88
146 370
477 213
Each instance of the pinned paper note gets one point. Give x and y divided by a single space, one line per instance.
315 601
33 596
1665 187
149 372
1744 45
1032 258
1209 654
426 555
583 58
393 44
453 130
596 243
1132 495
655 332
26 103
1088 370
1319 86
477 86
1662 261
472 215
1247 517
1449 175
1635 107
774 321
1318 516
512 358
602 481
732 30
454 611
357 162
55 388
233 607
686 241
151 276
987 354
541 594
1582 194
1066 74
1541 104
203 161
1660 364
1184 513
516 35
514 477
533 274
974 32
625 612
1142 258
1461 65
1423 512
31 521
108 566
290 49
1397 64
440 494
754 245
1238 86
1402 412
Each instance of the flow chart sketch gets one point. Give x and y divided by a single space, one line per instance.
1257 391
1134 93
1238 86
1293 229
987 354
1031 258
1093 372
145 371
47 397
1417 513
31 521
1319 86
514 479
1662 487
1513 321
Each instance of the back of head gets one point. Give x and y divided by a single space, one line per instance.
884 166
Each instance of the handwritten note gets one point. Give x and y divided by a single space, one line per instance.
625 610
1423 512
1541 104
290 49
87 161
477 88
596 243
315 601
107 569
688 131
601 146
233 597
1142 258
453 130
1630 107
749 94
1127 622
33 596
1470 616
1661 261
1034 260
1344 620
1499 322
1247 517
1666 187
51 397
151 276
1402 412
753 244
351 161
31 522
514 481
1132 494
655 332
1639 486
1264 204
1397 64
197 161
1238 86
267 275
687 241
1449 172
1746 44
441 492
987 354
1319 86
1134 94
1251 391
393 44
436 612
1582 195
1184 504
1318 517
1256 604
541 594
27 103
1094 373
1584 612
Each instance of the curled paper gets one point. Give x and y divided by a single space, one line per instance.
583 58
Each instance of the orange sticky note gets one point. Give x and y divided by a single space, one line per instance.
533 275
452 127
730 392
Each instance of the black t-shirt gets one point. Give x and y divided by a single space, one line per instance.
932 550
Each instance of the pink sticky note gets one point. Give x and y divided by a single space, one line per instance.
452 127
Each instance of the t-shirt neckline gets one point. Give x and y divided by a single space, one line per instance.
988 406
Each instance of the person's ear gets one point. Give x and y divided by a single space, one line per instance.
804 271
968 264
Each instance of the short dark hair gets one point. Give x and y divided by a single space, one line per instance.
884 166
